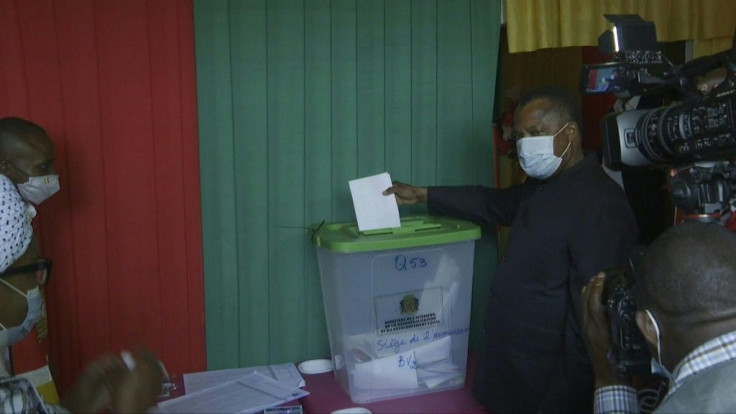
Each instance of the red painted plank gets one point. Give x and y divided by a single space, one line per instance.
114 84
14 98
166 77
40 54
192 196
127 147
83 178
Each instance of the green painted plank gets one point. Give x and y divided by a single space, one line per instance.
424 95
297 97
248 63
317 166
485 44
370 85
344 108
398 89
454 93
486 33
216 167
286 241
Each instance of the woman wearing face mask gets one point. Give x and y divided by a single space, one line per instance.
108 383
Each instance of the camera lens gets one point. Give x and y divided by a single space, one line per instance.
688 131
652 137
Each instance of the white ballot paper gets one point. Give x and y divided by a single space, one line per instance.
395 371
283 373
373 209
250 394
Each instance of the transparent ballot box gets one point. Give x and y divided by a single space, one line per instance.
397 305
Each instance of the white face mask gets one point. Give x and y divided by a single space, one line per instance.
537 155
14 334
657 367
38 189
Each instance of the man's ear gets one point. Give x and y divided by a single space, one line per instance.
646 326
572 130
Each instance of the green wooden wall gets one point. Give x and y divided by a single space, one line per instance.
296 98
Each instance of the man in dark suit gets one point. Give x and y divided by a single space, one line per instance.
569 220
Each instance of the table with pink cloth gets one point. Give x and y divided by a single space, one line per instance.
327 395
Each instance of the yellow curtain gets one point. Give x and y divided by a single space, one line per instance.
539 24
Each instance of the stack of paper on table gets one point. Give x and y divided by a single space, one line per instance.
240 390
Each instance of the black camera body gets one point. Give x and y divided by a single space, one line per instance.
629 353
694 138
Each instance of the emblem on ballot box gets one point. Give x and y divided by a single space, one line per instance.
409 304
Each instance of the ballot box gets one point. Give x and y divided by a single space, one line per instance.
397 305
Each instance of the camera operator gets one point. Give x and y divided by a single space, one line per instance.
685 290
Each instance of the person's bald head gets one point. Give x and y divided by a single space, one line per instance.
689 272
25 150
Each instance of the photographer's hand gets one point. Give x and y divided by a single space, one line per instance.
597 333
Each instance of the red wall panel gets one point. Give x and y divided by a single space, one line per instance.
114 85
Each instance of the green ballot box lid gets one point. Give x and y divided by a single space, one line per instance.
415 231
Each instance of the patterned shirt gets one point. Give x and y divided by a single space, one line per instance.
16 231
622 398
19 396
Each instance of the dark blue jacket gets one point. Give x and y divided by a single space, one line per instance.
563 231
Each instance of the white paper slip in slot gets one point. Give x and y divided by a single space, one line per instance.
373 210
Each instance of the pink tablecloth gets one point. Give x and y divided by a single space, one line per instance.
326 395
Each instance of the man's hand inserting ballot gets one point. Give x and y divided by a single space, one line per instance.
407 194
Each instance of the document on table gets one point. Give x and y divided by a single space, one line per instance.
373 210
249 394
283 373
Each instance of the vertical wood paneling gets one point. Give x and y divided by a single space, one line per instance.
250 114
217 160
344 156
12 76
44 99
317 166
454 90
113 84
126 110
481 144
423 93
89 299
398 89
180 266
194 336
484 86
325 91
285 31
370 87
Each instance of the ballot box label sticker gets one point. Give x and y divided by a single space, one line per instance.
408 311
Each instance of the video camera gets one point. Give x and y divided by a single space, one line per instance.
629 354
695 138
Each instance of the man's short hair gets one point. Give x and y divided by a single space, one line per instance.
689 270
564 102
16 127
